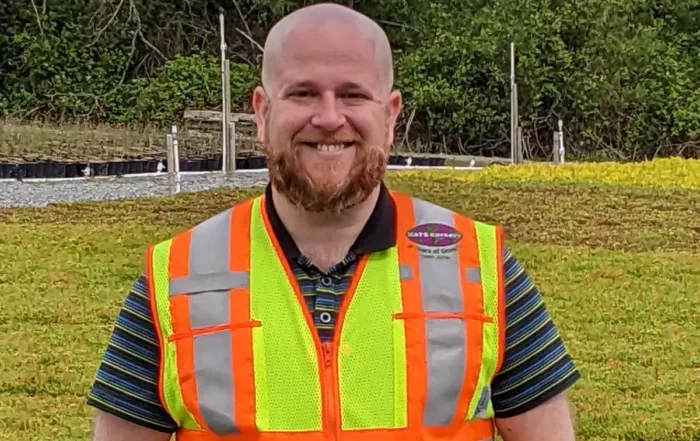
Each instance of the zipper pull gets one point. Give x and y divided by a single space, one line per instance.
327 354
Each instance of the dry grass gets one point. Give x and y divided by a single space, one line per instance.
84 142
100 142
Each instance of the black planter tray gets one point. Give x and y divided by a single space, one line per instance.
62 169
416 161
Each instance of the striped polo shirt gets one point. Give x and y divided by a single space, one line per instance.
536 364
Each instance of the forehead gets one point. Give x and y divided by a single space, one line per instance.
328 53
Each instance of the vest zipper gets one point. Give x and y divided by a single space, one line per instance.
330 391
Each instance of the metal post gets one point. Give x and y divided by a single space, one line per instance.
170 156
226 117
175 176
558 144
513 105
224 102
516 156
555 148
231 166
561 142
519 145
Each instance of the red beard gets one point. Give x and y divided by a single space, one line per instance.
290 178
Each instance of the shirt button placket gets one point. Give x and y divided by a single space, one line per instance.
326 317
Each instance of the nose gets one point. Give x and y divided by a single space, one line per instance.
328 115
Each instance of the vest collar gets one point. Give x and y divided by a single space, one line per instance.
378 234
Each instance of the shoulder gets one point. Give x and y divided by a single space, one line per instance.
428 212
537 364
126 382
207 231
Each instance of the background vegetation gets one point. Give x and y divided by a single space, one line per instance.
616 261
624 75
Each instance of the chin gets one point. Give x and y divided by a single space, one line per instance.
328 171
328 180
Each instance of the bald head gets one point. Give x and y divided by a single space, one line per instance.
326 13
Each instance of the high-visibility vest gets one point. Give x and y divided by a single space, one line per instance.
417 342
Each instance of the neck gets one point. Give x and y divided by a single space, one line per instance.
311 231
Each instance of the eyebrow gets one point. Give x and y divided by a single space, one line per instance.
292 85
311 84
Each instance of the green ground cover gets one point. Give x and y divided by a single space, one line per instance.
615 250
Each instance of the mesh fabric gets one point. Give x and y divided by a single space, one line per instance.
488 258
287 384
171 380
372 354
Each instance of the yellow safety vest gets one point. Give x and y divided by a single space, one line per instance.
417 342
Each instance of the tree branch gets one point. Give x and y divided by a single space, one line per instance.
139 28
38 18
255 43
248 35
109 23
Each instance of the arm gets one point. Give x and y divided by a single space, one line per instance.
112 428
528 392
125 391
552 420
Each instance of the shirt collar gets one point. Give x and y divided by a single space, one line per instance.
378 234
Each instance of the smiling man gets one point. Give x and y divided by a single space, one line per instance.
330 308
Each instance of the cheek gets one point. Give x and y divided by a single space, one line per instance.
284 123
370 125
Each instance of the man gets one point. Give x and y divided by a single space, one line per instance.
330 307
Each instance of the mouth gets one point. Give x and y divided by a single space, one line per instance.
335 147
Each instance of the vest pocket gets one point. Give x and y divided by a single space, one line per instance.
214 329
442 315
451 366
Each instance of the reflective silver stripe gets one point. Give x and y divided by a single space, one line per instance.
209 309
209 246
445 338
208 286
483 404
208 282
473 275
405 273
213 374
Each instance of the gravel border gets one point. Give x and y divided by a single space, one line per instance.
42 192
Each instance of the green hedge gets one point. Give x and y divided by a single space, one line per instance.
624 75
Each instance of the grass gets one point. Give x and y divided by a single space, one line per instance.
615 252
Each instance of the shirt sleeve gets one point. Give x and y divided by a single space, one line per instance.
126 383
536 365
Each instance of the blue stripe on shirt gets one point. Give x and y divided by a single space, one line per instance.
536 365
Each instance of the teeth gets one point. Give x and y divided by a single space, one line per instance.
329 148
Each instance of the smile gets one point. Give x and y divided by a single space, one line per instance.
329 147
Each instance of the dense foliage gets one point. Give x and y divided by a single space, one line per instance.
624 75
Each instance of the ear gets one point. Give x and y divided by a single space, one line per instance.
392 108
261 107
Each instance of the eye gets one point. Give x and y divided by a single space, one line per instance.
354 96
301 93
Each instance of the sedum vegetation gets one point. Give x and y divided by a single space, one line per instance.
616 261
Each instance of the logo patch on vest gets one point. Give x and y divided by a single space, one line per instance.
434 235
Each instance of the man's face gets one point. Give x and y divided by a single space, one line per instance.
327 125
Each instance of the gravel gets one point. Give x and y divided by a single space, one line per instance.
39 193
36 193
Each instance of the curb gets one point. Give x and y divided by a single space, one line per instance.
64 170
